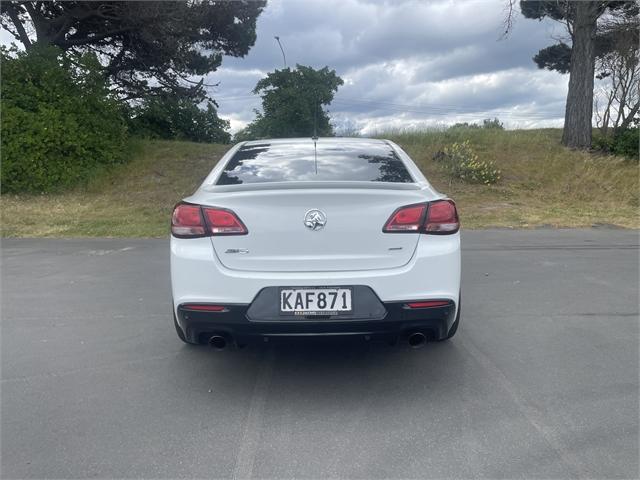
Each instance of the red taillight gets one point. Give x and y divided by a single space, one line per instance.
429 304
406 219
223 222
191 221
203 308
442 218
187 221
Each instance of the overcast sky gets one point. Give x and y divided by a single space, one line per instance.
405 63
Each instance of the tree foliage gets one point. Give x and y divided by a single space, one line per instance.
292 103
555 57
152 47
59 122
171 117
610 36
565 11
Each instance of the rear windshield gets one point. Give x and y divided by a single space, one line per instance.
296 162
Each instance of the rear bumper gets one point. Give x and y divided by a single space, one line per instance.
398 320
198 276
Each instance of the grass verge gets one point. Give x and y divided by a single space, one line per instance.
543 184
134 200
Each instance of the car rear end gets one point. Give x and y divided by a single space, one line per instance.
326 237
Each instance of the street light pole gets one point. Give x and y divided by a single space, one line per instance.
284 59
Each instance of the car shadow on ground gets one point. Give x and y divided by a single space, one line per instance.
341 370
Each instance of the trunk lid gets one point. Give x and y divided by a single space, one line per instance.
351 239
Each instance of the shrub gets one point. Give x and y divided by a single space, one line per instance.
623 143
487 124
461 162
494 124
180 119
464 126
59 124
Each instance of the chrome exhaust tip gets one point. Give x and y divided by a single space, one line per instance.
417 339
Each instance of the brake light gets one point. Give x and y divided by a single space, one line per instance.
439 218
442 218
223 222
192 221
406 219
429 304
187 222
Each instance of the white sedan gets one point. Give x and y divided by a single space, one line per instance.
328 236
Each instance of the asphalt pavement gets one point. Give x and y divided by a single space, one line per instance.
540 381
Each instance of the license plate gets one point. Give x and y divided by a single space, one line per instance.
315 301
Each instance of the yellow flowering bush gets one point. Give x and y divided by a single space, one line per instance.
462 162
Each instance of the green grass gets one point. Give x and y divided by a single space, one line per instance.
543 184
134 200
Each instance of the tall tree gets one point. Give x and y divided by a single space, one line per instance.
617 98
292 103
153 47
581 19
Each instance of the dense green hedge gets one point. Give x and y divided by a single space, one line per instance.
59 122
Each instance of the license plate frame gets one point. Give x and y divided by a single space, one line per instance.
337 301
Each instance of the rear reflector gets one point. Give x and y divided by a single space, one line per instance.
406 219
429 304
192 221
203 308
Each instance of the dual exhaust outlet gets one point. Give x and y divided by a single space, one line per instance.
218 342
415 339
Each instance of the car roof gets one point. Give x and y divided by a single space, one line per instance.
325 140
